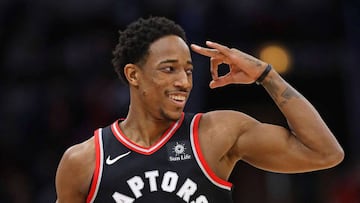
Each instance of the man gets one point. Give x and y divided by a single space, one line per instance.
160 154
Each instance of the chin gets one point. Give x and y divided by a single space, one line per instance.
173 116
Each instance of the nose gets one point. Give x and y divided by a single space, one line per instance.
183 80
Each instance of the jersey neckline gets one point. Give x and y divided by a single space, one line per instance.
121 137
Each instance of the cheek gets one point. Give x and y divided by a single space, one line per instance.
148 87
152 91
153 84
158 84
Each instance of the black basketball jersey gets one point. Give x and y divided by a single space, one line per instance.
172 170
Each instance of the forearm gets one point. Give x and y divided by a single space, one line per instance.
303 118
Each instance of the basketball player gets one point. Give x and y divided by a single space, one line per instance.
158 153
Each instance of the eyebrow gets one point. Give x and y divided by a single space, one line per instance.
174 61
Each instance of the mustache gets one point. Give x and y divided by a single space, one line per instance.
180 90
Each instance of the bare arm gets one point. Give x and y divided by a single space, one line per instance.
74 173
309 146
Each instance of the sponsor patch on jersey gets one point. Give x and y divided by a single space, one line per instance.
179 151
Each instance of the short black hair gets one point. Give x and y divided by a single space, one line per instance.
135 40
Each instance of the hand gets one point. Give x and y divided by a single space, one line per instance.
244 69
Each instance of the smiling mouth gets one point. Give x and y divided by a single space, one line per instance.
177 98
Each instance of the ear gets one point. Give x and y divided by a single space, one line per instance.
131 72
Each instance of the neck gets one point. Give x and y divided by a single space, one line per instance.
144 129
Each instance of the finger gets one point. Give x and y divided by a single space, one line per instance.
221 48
204 51
214 67
221 81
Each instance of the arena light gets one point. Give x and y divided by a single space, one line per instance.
278 56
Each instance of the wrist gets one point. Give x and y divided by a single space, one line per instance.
263 75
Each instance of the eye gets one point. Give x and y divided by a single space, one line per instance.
168 69
189 71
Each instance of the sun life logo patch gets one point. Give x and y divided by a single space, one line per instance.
179 151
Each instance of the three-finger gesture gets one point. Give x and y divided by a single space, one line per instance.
244 69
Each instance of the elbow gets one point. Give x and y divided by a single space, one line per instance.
340 155
334 158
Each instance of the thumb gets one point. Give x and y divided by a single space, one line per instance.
213 85
220 82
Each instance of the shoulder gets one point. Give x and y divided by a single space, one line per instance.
218 133
76 168
80 153
230 120
224 128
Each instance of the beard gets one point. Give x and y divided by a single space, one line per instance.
175 116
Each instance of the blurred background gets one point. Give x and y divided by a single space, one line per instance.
57 83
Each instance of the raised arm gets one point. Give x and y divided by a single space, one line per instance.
310 145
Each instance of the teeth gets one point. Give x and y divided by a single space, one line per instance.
177 97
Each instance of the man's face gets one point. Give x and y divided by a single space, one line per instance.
166 78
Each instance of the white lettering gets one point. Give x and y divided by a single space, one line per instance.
120 198
185 157
168 184
151 175
169 181
186 190
174 158
136 184
201 199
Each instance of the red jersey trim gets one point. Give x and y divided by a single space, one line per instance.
98 166
145 150
194 137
